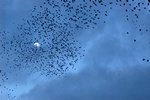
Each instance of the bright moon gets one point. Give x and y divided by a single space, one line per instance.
36 44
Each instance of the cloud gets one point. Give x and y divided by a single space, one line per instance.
111 71
112 68
95 82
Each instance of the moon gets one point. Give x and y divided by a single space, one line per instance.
36 44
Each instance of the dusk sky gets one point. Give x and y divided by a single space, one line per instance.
109 55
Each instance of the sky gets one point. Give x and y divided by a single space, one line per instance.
115 65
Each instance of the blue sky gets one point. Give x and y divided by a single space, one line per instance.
116 62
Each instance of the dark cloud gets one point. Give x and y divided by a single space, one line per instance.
97 83
112 71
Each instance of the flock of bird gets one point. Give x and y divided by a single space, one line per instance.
54 25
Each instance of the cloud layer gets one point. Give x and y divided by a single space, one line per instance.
112 68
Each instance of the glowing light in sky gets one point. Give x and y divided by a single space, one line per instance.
36 44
